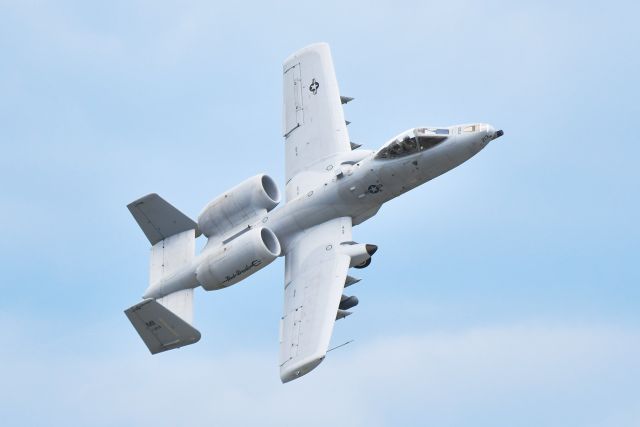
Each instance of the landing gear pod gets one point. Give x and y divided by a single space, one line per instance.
360 253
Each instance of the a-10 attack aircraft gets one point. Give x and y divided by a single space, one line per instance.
331 186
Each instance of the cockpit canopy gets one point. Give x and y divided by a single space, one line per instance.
479 127
412 141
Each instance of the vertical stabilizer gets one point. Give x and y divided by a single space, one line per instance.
158 219
160 328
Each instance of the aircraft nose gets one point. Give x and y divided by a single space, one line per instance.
495 134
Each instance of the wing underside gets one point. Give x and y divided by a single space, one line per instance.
315 135
315 275
313 120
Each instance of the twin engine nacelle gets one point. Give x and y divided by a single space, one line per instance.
241 206
237 248
224 265
236 260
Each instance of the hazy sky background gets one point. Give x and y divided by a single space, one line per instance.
504 293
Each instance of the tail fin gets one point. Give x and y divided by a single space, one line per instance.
158 218
165 323
159 328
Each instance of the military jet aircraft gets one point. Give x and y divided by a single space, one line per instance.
331 186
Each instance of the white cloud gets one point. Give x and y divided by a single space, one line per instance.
523 374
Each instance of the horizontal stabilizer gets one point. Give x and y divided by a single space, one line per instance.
159 328
345 99
158 218
355 146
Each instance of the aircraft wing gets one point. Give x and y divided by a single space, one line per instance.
313 120
315 274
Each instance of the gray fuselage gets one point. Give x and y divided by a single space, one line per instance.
359 189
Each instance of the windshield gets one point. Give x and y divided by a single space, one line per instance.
413 142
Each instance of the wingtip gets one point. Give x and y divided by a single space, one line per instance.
291 372
318 46
142 200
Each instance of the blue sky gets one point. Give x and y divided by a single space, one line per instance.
503 293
